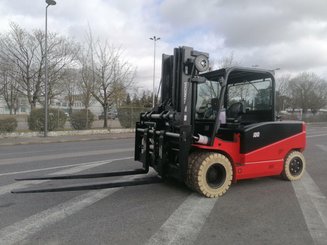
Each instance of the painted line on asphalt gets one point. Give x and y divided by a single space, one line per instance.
18 185
184 225
316 135
314 207
322 147
23 184
62 155
21 230
62 166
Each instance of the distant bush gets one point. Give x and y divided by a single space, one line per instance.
8 124
56 119
78 119
128 116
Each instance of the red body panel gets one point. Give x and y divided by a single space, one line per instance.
265 161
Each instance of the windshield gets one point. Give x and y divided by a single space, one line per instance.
255 95
205 93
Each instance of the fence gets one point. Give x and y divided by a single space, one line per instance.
307 117
126 118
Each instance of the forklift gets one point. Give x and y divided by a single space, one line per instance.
210 129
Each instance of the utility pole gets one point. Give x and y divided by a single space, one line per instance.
49 2
155 39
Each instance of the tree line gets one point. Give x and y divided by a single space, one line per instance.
306 91
94 70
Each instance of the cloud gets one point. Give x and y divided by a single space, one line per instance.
289 34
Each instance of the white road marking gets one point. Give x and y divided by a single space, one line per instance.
314 207
316 135
23 184
60 156
322 147
21 230
62 166
184 225
17 185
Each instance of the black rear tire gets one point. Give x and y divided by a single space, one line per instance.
294 166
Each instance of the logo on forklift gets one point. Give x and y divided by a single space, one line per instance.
185 94
256 134
185 98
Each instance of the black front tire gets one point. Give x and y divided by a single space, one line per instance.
294 166
211 174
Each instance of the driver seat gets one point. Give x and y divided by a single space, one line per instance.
235 111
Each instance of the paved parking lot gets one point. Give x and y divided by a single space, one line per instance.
259 211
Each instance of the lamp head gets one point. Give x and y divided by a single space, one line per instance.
154 38
51 2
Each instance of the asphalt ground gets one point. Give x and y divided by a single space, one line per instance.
257 211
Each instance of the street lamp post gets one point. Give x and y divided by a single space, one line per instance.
155 39
49 2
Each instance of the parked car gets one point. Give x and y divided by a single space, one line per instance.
110 115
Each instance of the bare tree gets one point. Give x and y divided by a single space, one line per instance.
19 48
112 75
146 99
25 52
86 85
224 62
9 87
120 95
62 58
71 87
307 91
87 73
282 92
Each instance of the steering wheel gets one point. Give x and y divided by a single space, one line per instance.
208 111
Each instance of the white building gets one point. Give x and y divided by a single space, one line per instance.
23 107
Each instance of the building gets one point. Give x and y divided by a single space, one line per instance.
61 103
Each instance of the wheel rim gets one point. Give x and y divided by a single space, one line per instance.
216 175
296 166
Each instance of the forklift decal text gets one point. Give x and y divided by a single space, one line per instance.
256 134
185 98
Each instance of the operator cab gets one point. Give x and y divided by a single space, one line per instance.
244 96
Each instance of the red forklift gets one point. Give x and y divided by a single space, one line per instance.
210 129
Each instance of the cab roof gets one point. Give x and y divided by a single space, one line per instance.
238 74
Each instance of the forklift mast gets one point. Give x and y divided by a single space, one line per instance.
178 71
164 134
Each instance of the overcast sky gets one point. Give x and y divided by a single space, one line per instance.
286 34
